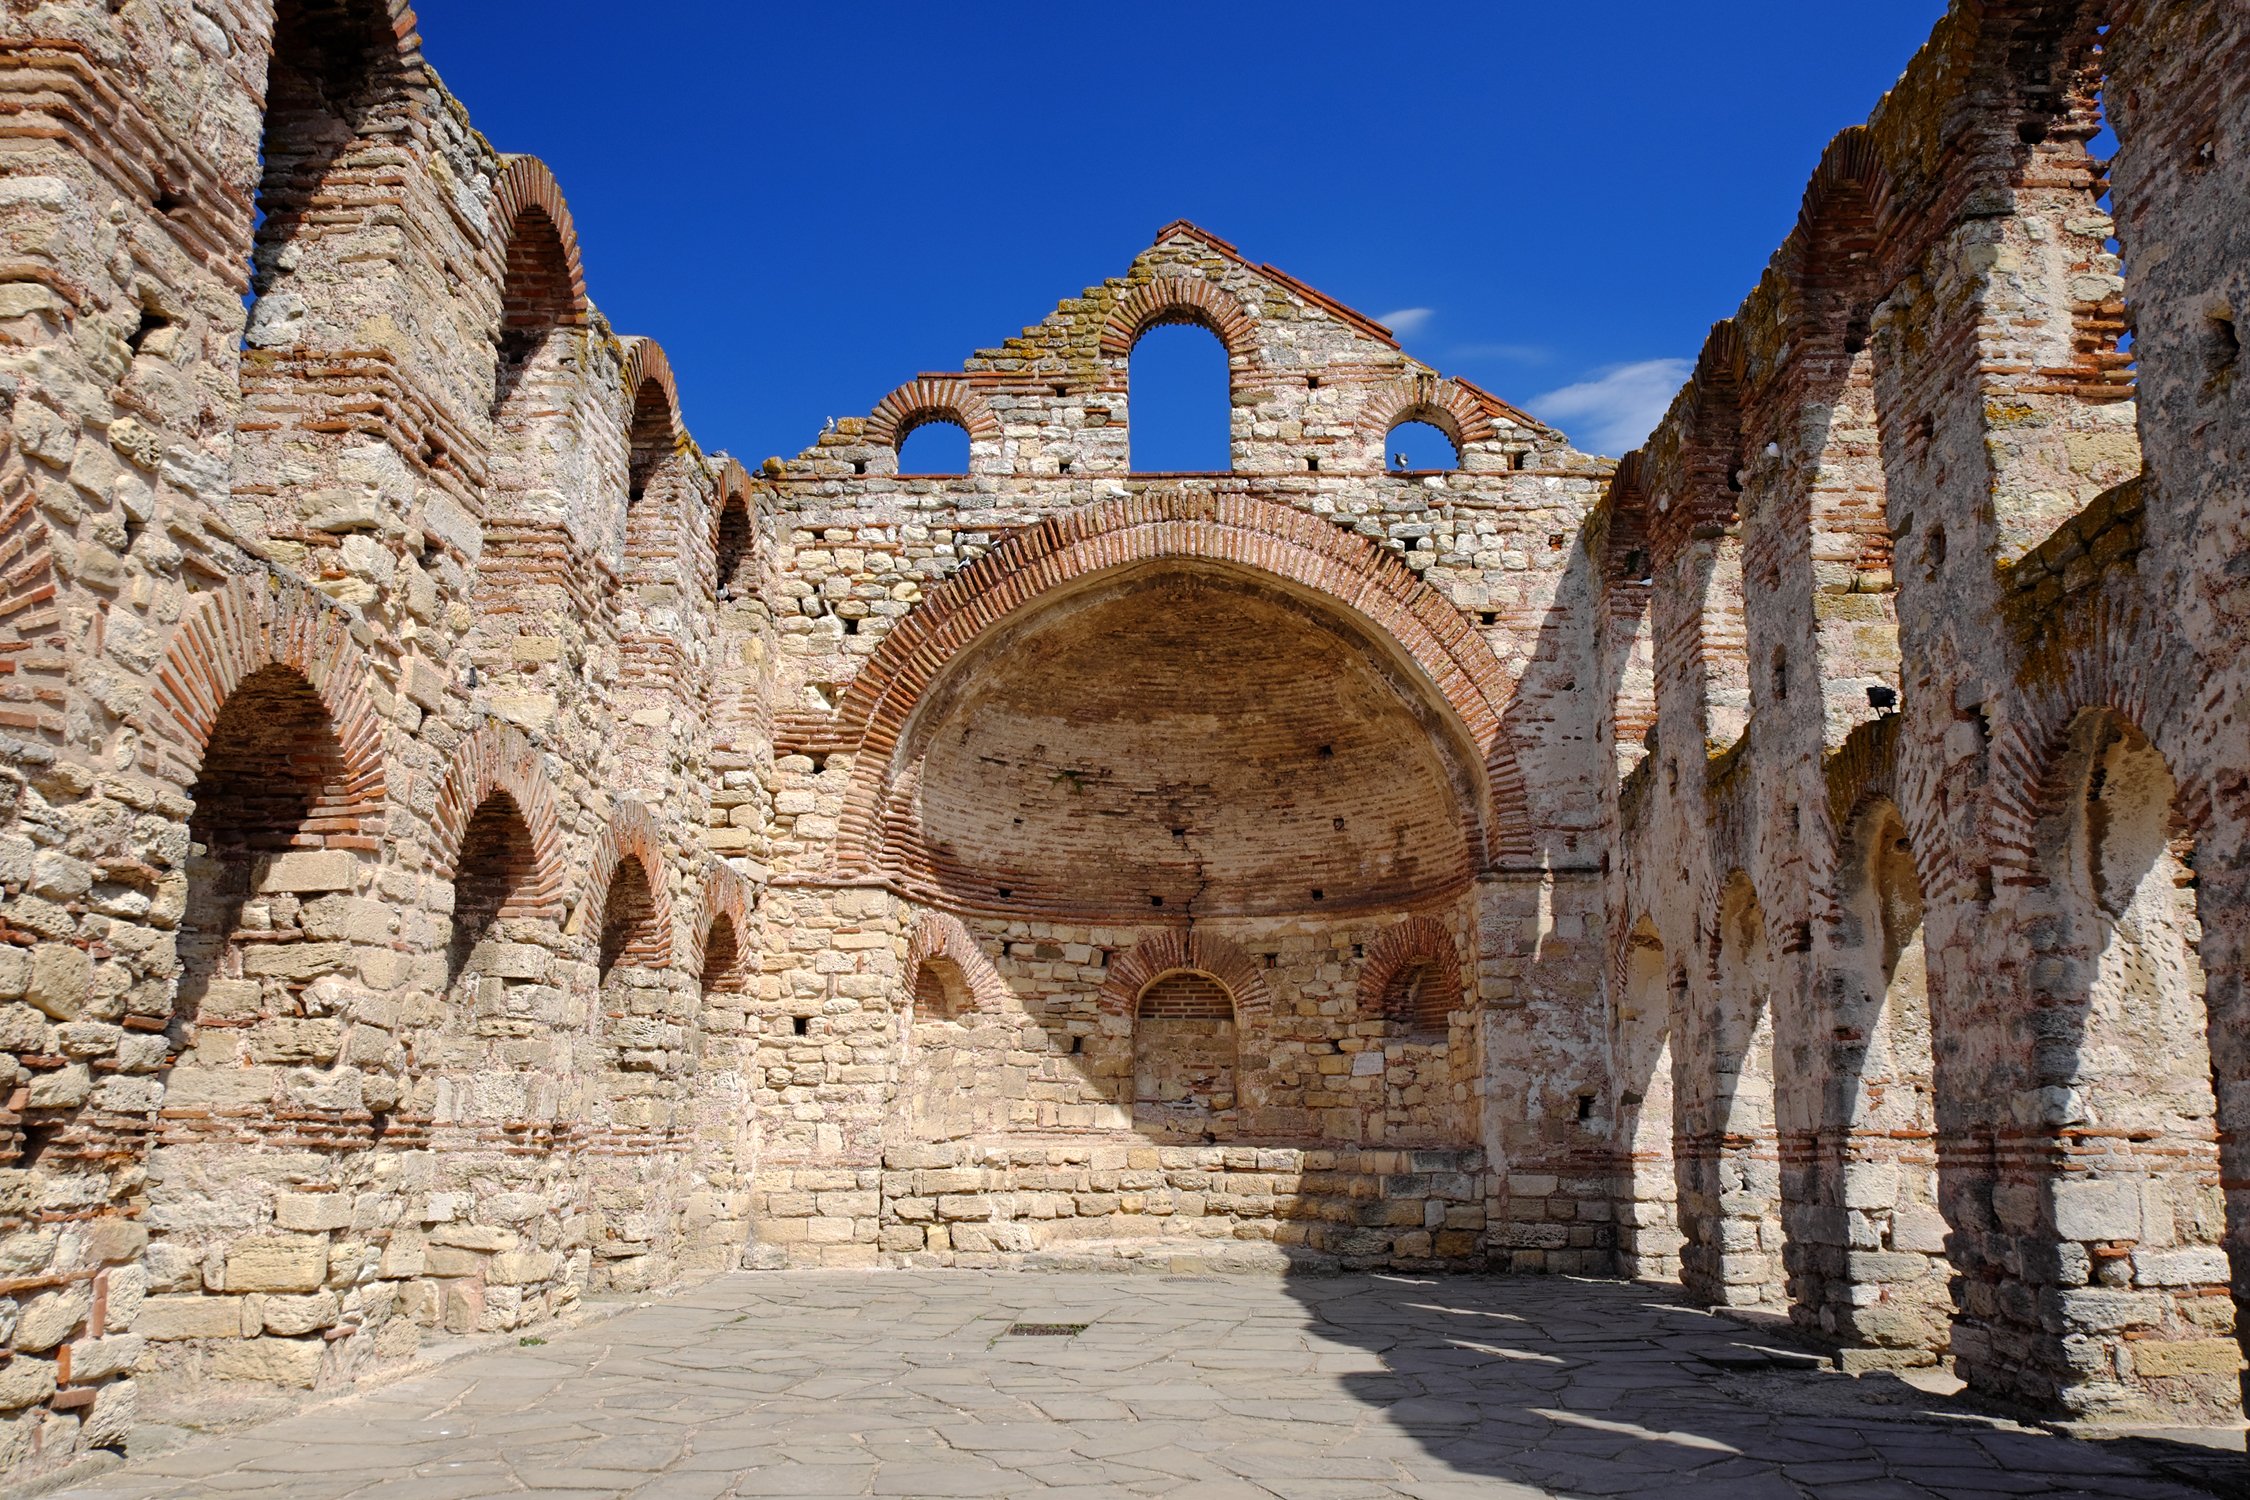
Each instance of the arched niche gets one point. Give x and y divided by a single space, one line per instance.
1185 1056
1649 1213
1172 741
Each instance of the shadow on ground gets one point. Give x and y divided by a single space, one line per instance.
1215 1387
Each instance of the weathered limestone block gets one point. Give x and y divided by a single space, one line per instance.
275 1361
277 1263
189 1317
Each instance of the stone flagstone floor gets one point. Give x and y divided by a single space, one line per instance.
1305 1388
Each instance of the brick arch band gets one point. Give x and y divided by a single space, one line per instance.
526 184
32 680
1178 299
727 899
932 398
940 935
646 362
500 758
244 627
1426 398
2099 657
1185 951
1417 940
1369 583
632 834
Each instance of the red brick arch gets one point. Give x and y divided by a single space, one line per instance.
32 683
1426 398
2097 657
526 184
645 361
938 935
1863 770
1335 565
1179 951
726 898
501 758
632 834
1846 207
1179 299
932 398
1417 940
243 627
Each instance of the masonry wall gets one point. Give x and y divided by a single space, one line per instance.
1255 776
1986 930
328 737
463 847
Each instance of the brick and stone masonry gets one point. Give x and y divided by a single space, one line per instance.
464 846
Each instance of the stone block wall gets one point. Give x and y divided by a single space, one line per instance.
1958 858
463 846
329 1017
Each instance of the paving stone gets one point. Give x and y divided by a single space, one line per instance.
968 1416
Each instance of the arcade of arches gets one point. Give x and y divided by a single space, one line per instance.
465 846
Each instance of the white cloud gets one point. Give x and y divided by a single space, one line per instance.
1617 409
1407 319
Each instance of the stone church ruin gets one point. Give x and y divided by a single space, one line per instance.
464 846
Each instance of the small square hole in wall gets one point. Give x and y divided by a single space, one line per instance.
801 1025
1585 1106
859 466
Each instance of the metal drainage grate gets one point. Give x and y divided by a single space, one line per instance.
1045 1330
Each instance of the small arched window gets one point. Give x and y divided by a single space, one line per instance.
939 445
724 972
536 300
733 546
496 864
1420 448
1184 1048
650 439
629 917
1417 1002
1180 402
941 990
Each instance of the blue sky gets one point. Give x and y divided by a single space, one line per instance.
809 205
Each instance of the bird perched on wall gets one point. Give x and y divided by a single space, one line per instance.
1398 460
828 427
